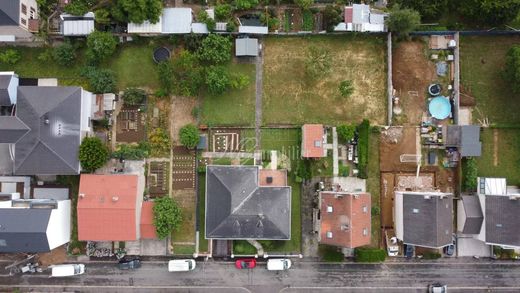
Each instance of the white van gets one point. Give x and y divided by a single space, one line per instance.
278 264
67 270
181 265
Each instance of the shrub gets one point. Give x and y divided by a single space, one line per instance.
132 151
166 72
223 12
203 16
403 21
187 74
217 80
100 80
363 140
134 96
346 88
512 68
318 62
369 254
167 216
304 4
100 46
245 4
92 154
195 112
193 42
470 172
45 56
189 136
308 21
346 132
159 142
78 8
215 49
64 54
375 211
239 81
10 56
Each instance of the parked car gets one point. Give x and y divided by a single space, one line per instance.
450 249
278 264
181 265
245 263
437 288
129 263
66 270
320 186
409 250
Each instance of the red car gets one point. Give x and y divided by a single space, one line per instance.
245 263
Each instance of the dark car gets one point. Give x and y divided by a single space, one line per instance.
129 263
409 250
245 263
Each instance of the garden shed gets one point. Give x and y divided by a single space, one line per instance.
246 47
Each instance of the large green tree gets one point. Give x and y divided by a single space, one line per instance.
512 68
137 11
403 21
331 17
134 96
100 46
489 12
215 49
189 136
64 54
167 216
187 74
92 154
430 10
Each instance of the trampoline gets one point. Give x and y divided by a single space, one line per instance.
434 89
440 107
161 54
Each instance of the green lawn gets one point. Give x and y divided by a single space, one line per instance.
322 167
234 107
373 185
482 63
183 249
203 242
134 67
72 182
291 97
242 247
508 155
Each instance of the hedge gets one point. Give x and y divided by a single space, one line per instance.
470 171
369 254
363 137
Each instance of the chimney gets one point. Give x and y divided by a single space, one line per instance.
81 195
344 227
115 198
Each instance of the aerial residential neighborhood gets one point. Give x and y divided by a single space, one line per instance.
259 146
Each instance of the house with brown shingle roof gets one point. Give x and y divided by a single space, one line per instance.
313 140
344 219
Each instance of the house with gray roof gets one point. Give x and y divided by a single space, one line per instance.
423 219
239 206
8 84
34 225
46 130
18 16
466 138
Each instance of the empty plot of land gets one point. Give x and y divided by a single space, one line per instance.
291 97
482 66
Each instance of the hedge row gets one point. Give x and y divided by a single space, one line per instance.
364 134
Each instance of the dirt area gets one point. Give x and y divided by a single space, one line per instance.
130 125
157 179
56 256
412 73
294 18
183 169
394 142
180 115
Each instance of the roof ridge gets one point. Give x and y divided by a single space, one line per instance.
57 155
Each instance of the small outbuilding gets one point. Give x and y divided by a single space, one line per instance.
72 25
246 47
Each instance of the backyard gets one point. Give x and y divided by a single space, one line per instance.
373 186
234 107
291 97
482 64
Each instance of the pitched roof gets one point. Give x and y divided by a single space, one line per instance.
24 230
474 215
53 116
312 141
427 219
148 230
345 219
12 129
238 208
502 220
107 207
9 12
466 138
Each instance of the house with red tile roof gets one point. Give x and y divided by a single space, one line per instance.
344 219
109 208
148 230
313 140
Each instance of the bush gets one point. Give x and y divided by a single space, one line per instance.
343 170
132 152
64 54
167 216
215 49
100 46
239 81
189 136
217 80
369 254
45 56
223 12
10 56
193 42
245 4
346 132
308 21
92 154
512 68
346 88
470 173
403 21
77 8
134 96
100 80
363 141
203 16
187 74
318 62
166 72
159 142
375 211
243 247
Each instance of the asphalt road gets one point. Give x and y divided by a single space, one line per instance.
216 277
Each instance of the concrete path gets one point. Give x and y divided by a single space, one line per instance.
258 98
335 165
258 246
230 155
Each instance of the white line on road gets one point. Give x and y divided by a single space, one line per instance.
125 287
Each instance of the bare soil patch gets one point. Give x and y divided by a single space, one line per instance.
180 115
394 142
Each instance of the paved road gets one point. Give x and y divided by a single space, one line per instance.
218 277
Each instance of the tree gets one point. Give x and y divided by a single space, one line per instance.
403 21
318 62
223 12
203 16
187 74
193 42
64 54
92 154
78 8
489 12
10 56
189 136
100 80
137 11
430 10
346 88
166 71
102 16
100 45
245 4
512 68
346 132
215 49
134 96
331 17
304 4
217 80
167 216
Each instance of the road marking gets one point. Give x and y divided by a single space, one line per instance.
124 287
398 288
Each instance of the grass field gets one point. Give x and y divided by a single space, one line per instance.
482 64
373 185
508 155
234 107
290 97
135 67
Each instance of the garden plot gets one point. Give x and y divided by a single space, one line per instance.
157 178
225 141
130 125
183 169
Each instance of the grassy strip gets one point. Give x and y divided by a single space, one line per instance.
374 188
183 249
243 247
203 242
72 182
